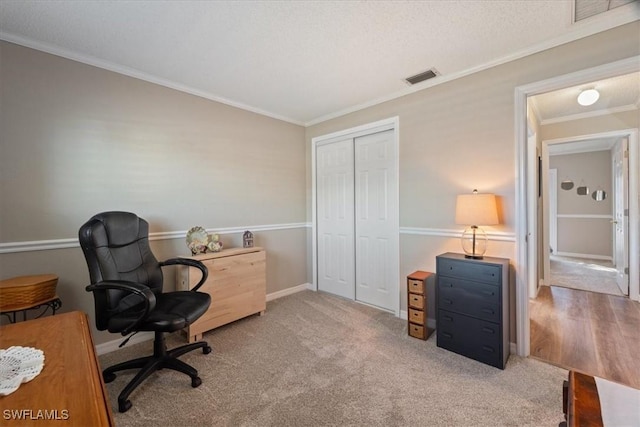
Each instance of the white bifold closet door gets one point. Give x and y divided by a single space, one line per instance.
357 218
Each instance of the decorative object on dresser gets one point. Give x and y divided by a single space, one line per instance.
474 210
417 304
237 284
472 304
200 242
247 239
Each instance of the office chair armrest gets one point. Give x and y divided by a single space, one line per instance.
139 289
191 263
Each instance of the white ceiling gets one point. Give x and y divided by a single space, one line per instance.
617 94
300 61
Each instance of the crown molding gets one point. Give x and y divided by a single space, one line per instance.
583 29
589 114
132 72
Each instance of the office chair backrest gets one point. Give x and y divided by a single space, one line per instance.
116 247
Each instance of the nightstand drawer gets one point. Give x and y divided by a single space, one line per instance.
416 316
417 331
465 335
416 301
468 270
415 286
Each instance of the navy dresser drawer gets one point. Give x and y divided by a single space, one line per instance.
475 299
472 307
471 271
470 337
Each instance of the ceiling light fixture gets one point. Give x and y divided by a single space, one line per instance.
588 97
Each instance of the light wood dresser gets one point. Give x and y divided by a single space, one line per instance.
237 284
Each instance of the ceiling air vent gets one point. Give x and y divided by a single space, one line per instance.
426 75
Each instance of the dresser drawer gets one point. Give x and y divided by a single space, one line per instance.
416 301
470 337
416 316
474 299
469 270
417 331
415 286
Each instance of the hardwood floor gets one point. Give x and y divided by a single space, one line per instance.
593 333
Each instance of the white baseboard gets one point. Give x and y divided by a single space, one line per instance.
586 256
289 291
109 346
113 345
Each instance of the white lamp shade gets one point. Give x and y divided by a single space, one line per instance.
476 209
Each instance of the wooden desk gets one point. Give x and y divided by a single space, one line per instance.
69 391
582 405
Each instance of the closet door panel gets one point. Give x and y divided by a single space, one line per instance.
376 222
335 207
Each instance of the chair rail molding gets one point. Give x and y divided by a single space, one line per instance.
43 245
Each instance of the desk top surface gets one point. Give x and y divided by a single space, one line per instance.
69 391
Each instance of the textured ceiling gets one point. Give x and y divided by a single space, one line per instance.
301 61
616 94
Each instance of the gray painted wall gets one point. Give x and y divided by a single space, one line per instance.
76 140
74 137
589 236
458 136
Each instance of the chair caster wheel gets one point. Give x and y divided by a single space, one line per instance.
206 350
124 406
195 382
109 377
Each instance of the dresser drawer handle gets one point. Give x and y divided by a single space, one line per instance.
447 301
447 335
488 310
488 349
447 318
488 330
490 293
447 285
415 313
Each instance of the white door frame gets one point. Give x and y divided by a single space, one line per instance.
552 187
391 123
526 234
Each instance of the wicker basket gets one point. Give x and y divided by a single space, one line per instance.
19 293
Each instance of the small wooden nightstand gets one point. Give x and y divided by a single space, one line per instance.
417 304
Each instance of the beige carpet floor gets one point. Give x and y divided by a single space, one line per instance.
318 360
584 274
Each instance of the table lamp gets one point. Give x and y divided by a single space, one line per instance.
474 210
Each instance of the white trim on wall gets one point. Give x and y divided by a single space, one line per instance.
585 256
442 232
587 115
132 72
42 245
584 216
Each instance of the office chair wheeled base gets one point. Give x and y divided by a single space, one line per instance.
160 359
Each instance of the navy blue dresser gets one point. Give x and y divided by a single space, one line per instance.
472 303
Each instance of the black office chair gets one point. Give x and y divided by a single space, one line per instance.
126 281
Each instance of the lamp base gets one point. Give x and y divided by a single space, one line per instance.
474 242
